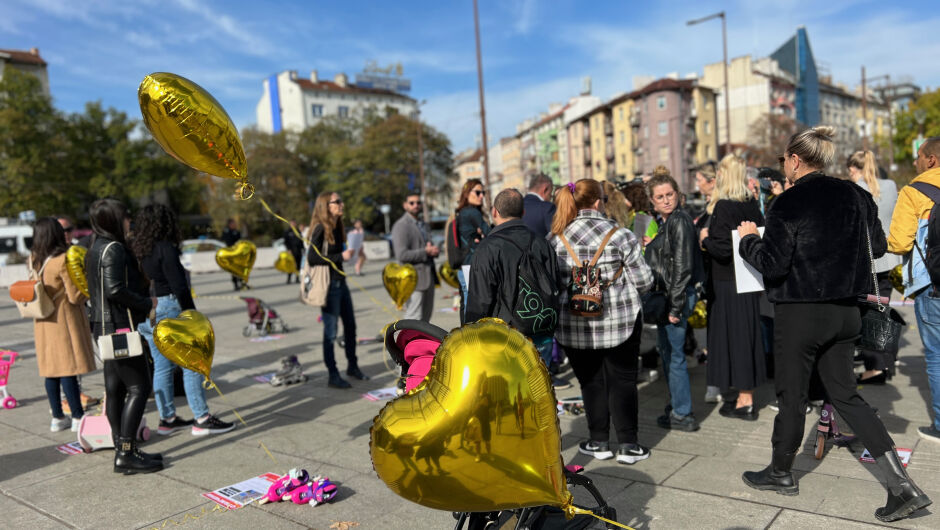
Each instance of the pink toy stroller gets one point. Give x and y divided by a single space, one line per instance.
412 344
6 362
262 318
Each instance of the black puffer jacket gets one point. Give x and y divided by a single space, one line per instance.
675 259
814 247
123 284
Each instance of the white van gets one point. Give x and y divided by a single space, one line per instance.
15 238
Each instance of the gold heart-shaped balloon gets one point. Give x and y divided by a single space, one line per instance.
285 263
699 317
191 125
238 258
897 279
449 275
400 281
75 265
187 340
480 433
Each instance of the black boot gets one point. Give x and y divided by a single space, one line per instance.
904 497
129 461
776 477
148 456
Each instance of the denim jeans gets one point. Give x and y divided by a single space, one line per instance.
463 294
169 307
338 306
670 345
927 311
69 386
545 346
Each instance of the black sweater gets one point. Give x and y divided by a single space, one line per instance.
725 218
334 250
164 269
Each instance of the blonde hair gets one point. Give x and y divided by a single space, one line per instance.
731 182
864 161
814 146
616 206
567 202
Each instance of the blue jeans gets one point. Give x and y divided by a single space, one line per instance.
463 294
927 311
69 386
545 347
169 307
338 306
670 345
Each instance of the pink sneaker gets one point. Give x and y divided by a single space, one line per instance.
317 492
282 488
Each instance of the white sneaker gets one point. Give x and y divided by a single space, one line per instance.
60 424
713 395
75 423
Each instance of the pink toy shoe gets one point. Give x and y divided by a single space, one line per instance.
283 487
317 492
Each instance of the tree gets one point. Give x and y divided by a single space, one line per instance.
907 129
768 138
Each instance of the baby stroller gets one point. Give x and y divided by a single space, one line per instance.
262 318
412 344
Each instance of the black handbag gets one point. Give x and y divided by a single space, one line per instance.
654 307
881 325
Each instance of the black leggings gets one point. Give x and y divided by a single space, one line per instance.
608 384
127 386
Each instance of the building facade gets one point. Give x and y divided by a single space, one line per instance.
289 102
511 154
602 143
625 127
28 62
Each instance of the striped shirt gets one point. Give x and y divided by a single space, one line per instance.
621 300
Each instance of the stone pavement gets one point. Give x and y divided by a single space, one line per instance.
692 480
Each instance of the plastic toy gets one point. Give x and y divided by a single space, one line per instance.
284 486
7 358
94 432
314 493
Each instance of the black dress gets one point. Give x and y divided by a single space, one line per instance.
735 348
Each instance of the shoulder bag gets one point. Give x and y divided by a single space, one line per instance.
315 280
881 325
121 345
31 297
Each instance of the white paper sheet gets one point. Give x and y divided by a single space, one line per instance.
466 275
746 278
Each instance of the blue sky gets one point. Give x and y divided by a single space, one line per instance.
534 51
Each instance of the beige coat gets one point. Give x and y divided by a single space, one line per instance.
63 341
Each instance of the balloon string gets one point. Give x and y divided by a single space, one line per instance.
574 510
210 384
188 516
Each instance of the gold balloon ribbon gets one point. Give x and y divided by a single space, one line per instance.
203 512
571 510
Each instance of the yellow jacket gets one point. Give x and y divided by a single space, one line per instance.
912 207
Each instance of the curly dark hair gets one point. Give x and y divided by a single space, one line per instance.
154 222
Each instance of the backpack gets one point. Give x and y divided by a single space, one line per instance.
586 288
932 257
534 305
455 252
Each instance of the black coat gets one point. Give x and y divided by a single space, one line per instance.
814 247
125 288
675 259
493 270
726 218
538 215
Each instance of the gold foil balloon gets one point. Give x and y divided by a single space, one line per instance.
238 258
449 275
400 281
480 433
187 341
75 264
285 263
192 127
699 317
897 279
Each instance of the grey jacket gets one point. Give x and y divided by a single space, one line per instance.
885 203
408 241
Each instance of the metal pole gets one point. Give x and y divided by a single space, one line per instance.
724 43
864 113
424 197
486 165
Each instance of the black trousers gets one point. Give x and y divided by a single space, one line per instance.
608 386
824 334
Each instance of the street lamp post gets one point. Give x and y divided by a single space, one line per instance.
424 195
724 46
486 164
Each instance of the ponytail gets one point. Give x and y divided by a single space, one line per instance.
870 174
574 196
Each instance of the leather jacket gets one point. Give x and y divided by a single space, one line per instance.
122 283
675 259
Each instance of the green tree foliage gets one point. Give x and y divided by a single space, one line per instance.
906 128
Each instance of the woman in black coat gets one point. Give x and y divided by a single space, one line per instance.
119 301
735 350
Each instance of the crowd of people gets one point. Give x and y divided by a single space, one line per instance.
611 259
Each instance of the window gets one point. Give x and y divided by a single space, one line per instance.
646 131
664 154
623 160
708 104
663 128
661 103
317 110
621 136
708 127
343 112
708 152
620 112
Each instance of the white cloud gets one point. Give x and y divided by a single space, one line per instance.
250 41
525 13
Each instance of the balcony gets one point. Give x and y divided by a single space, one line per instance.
587 156
610 149
608 129
634 119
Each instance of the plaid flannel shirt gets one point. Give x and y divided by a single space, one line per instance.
621 300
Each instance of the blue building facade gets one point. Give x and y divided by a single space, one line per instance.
796 57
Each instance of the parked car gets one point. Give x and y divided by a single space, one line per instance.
190 246
15 239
